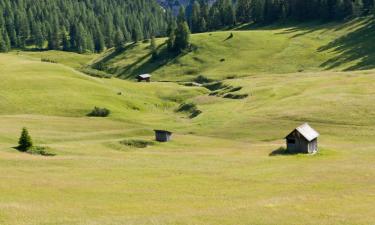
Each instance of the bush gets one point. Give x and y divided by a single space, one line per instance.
236 96
137 143
25 142
189 108
202 79
99 112
48 60
37 150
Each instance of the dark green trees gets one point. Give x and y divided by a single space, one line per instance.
25 142
179 38
182 40
81 26
225 13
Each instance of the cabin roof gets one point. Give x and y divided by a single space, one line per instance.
163 131
307 132
144 76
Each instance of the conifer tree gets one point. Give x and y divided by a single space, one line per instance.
153 48
25 142
38 37
182 34
119 39
3 47
99 42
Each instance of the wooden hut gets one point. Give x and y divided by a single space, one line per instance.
144 77
303 139
163 135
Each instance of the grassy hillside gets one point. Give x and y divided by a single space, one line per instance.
222 166
30 86
283 48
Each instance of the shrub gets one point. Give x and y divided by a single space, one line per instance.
202 79
25 142
48 60
37 150
236 96
189 108
137 143
99 112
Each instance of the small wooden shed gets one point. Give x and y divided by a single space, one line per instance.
144 77
303 139
163 135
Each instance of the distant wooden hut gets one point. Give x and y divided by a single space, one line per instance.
163 135
303 139
144 77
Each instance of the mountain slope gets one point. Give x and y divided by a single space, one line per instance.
272 49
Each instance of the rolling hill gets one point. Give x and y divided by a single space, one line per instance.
223 165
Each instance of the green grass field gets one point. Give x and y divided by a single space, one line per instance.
218 168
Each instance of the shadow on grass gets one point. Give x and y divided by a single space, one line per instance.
100 65
281 152
357 45
148 64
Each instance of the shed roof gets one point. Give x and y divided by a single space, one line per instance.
163 131
307 131
144 76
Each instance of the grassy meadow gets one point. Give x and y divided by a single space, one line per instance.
221 167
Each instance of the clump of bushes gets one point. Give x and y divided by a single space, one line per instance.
202 79
137 143
189 108
99 112
48 60
43 151
236 96
214 86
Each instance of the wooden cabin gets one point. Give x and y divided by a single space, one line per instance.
163 135
144 77
303 139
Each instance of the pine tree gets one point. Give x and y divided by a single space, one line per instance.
38 37
3 47
243 10
153 48
196 18
25 142
119 39
99 42
171 36
65 41
182 40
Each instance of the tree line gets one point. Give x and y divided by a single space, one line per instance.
78 25
203 16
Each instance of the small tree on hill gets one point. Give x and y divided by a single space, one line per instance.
25 142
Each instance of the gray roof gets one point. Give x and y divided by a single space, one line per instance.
308 132
145 76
